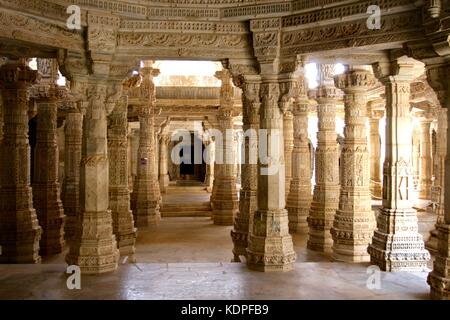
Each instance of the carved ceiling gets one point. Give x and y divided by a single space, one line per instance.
215 29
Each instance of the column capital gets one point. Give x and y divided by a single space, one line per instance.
354 80
15 74
402 69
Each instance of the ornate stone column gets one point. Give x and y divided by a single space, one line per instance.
73 131
326 191
288 131
375 153
46 188
354 221
270 246
119 193
438 188
163 165
19 228
439 279
209 179
146 188
425 159
397 245
225 200
94 246
299 199
249 173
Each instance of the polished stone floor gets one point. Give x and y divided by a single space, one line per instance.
189 258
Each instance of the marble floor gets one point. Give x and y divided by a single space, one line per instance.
189 258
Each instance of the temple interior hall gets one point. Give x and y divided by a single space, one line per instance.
243 150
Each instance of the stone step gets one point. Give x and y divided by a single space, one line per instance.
185 208
195 213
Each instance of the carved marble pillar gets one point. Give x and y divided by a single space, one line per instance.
439 278
209 179
119 193
46 187
94 247
19 228
438 188
397 245
354 221
299 198
375 153
146 189
73 131
163 162
288 132
46 190
248 193
225 198
425 159
326 191
270 246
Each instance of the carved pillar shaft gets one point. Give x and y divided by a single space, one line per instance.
249 172
94 246
19 228
46 189
397 244
225 200
270 246
288 132
209 179
425 158
146 188
299 199
438 188
375 154
354 221
326 191
439 278
163 163
119 192
72 156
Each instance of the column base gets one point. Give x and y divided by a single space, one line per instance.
432 243
94 248
375 190
240 244
163 183
127 244
439 278
402 251
319 236
298 220
145 221
270 246
20 239
223 217
352 235
69 227
52 240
